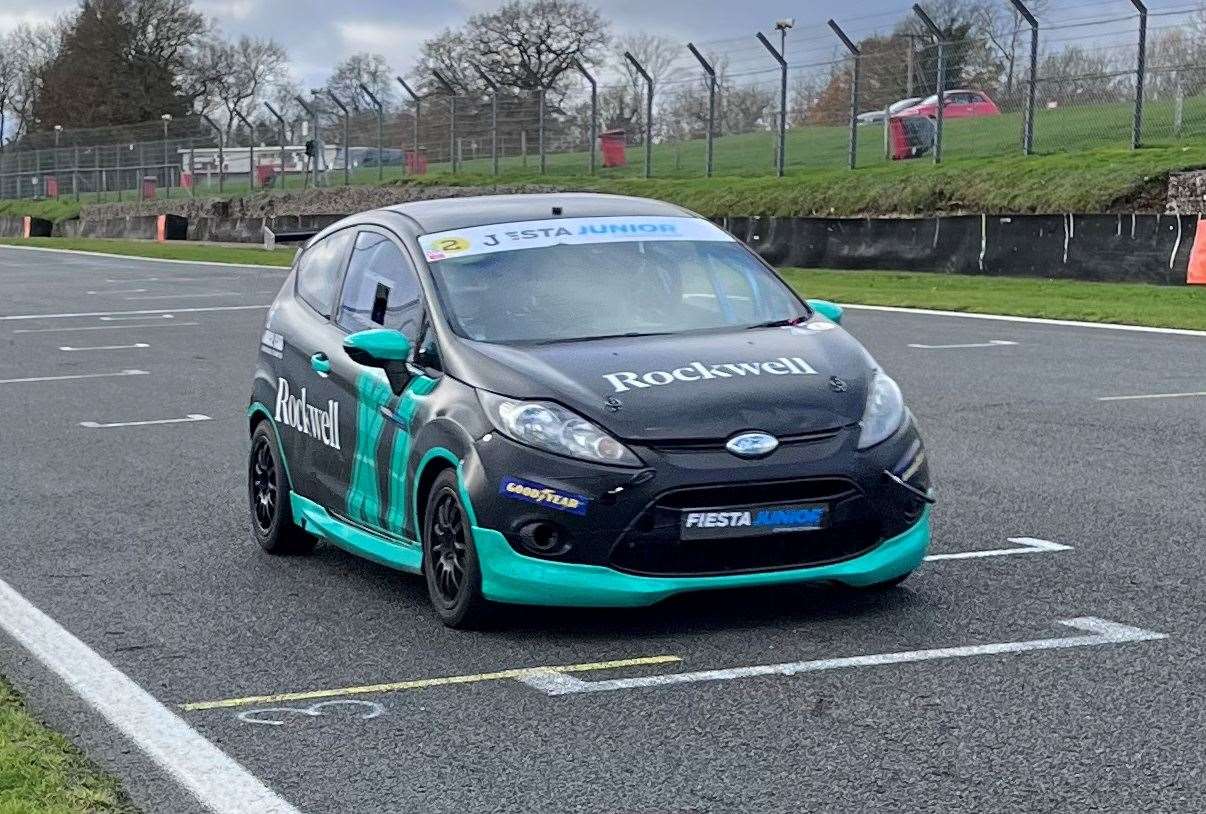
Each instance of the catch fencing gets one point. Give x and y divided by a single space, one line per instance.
787 101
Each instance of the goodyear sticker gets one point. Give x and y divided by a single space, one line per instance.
505 237
542 495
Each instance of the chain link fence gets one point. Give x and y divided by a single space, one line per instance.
730 107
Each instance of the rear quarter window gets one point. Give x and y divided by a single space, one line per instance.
319 269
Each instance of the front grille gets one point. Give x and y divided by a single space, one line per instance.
713 445
651 545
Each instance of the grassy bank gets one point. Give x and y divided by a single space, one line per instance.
172 250
1121 303
42 773
1099 180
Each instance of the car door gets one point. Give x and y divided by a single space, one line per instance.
307 408
958 106
381 289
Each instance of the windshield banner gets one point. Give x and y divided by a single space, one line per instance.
534 234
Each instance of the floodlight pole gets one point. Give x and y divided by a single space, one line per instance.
648 112
1028 125
312 164
594 110
711 72
493 86
418 100
347 147
451 116
1140 74
780 153
250 150
380 129
856 55
941 38
221 142
280 138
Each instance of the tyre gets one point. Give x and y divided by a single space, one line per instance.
272 523
450 566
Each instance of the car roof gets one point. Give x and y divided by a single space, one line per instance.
440 214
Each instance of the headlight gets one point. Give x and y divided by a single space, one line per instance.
553 428
884 413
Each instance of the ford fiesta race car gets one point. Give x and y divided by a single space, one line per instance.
577 400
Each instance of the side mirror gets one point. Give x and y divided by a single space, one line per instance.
384 348
830 310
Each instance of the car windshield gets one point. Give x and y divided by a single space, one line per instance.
901 105
587 278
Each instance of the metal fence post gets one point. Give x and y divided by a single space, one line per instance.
1028 124
941 83
250 151
594 112
540 131
280 139
96 173
221 154
493 86
347 146
311 172
451 117
711 72
648 112
1140 75
782 147
380 130
418 100
855 77
75 173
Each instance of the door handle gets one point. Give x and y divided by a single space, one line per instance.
321 364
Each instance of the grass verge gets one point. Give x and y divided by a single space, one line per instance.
171 250
1120 303
42 773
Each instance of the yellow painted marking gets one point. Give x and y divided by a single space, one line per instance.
421 683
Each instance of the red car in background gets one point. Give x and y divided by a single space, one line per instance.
959 104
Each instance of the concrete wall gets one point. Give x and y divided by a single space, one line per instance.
1132 248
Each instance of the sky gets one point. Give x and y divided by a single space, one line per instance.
319 33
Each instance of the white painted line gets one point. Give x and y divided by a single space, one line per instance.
212 776
1154 396
1100 632
1107 326
190 418
76 376
123 319
70 349
199 310
142 259
120 291
135 280
103 328
186 296
1028 545
992 343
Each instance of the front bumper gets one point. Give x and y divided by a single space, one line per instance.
508 576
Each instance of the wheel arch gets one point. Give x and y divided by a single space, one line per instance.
258 414
435 460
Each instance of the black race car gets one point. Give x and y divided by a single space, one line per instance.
574 399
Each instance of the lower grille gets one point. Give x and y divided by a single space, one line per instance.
651 545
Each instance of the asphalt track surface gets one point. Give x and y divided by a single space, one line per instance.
135 540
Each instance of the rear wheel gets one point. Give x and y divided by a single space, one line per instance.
450 567
272 523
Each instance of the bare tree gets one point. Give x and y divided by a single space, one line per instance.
241 75
372 71
659 56
1007 32
27 51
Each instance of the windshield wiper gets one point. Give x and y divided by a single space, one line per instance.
602 336
777 323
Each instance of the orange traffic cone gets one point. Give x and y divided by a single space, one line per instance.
1196 274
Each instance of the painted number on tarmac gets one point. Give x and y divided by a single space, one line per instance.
276 716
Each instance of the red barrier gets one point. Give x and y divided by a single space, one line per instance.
1196 274
612 144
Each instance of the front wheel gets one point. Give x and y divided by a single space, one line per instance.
450 567
272 523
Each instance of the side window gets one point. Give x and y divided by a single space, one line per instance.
381 288
318 271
